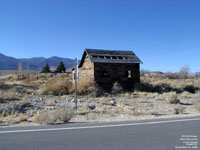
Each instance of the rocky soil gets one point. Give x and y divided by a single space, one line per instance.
20 102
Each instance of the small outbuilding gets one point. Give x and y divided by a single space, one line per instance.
106 67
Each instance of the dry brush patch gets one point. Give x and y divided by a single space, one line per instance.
50 117
86 86
179 109
22 117
58 86
12 119
161 84
197 104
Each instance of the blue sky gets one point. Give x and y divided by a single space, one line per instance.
165 34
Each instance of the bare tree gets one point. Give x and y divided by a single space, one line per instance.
184 71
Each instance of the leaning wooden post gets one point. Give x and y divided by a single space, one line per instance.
75 78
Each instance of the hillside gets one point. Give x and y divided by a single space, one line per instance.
35 63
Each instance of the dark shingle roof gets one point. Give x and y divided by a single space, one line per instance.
110 56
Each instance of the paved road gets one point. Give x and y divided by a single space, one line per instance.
162 134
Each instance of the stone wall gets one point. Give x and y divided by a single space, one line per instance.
87 70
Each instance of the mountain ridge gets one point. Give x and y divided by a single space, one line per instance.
34 63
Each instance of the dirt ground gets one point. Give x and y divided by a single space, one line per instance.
23 101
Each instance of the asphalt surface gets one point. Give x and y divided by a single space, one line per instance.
162 134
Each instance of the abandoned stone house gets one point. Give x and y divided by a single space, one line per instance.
106 67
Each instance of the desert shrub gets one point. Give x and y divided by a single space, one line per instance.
173 99
186 94
179 109
22 118
50 103
58 86
190 88
65 114
87 86
91 116
12 119
28 80
50 117
117 88
82 110
1 82
1 120
197 105
36 117
161 85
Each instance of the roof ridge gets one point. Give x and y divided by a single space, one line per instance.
108 50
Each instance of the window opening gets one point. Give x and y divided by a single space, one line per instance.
108 57
102 57
129 74
120 57
94 56
114 57
105 74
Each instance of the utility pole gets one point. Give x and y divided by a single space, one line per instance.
27 68
75 78
19 71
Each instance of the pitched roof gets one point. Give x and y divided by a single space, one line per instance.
110 56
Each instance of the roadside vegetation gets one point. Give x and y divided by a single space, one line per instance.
48 99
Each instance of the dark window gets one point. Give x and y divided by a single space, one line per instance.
102 57
94 56
120 57
108 57
129 74
114 57
105 74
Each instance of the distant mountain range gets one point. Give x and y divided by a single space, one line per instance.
35 63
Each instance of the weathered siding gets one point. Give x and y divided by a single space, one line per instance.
116 73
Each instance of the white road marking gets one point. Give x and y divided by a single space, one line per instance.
102 126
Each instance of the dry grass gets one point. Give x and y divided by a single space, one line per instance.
50 103
107 101
173 99
179 109
186 94
51 117
12 119
146 94
36 117
85 86
29 80
197 105
65 114
91 116
161 84
82 110
58 86
126 95
1 120
22 118
116 89
24 101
